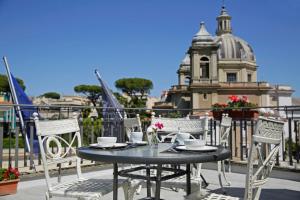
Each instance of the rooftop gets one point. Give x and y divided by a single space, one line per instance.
281 185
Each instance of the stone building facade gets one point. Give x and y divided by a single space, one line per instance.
216 67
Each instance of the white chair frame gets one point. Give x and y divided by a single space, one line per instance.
172 126
265 145
130 125
224 141
50 132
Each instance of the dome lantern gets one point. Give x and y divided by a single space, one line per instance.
224 22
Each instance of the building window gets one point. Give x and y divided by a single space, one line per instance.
204 66
204 96
231 77
187 80
249 78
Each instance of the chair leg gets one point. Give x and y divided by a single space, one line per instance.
220 177
47 196
223 172
130 189
229 165
139 189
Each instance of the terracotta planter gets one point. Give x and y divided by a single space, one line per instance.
8 187
237 114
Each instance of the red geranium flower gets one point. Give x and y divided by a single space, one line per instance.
234 98
9 174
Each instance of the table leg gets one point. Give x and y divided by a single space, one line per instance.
158 182
188 179
115 183
148 181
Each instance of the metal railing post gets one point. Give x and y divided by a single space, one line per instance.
296 139
17 147
215 127
290 141
246 137
25 154
230 142
211 131
81 133
241 139
31 145
1 144
235 139
283 146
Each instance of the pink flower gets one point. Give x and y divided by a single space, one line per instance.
245 98
159 125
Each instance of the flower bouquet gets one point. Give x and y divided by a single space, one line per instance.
154 137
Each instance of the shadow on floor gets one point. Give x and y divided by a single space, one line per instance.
266 194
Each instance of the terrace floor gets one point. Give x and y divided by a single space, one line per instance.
281 185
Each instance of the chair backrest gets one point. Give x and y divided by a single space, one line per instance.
264 148
225 129
55 148
132 124
174 125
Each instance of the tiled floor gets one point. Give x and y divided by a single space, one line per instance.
275 189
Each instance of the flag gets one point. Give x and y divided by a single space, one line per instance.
112 111
26 111
19 97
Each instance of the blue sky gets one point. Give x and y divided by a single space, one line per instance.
54 45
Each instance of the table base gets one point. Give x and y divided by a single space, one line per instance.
175 172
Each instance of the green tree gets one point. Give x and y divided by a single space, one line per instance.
92 92
51 95
122 100
4 85
136 89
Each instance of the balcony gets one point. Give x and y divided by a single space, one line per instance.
283 184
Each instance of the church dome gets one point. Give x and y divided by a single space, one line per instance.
232 47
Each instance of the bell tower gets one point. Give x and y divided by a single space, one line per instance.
204 72
203 53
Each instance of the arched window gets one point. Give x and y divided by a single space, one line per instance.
187 80
204 67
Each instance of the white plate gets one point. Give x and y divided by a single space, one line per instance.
138 143
203 148
103 145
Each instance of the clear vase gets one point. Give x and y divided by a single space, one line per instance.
154 139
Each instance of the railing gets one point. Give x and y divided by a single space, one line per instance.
91 128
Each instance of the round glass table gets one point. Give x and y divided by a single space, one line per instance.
153 157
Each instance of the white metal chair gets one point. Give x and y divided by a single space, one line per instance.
265 145
171 126
131 125
51 133
224 141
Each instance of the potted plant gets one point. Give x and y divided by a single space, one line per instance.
237 108
9 179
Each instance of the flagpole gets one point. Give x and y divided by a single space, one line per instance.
14 96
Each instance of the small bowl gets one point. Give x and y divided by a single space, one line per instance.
193 143
107 140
